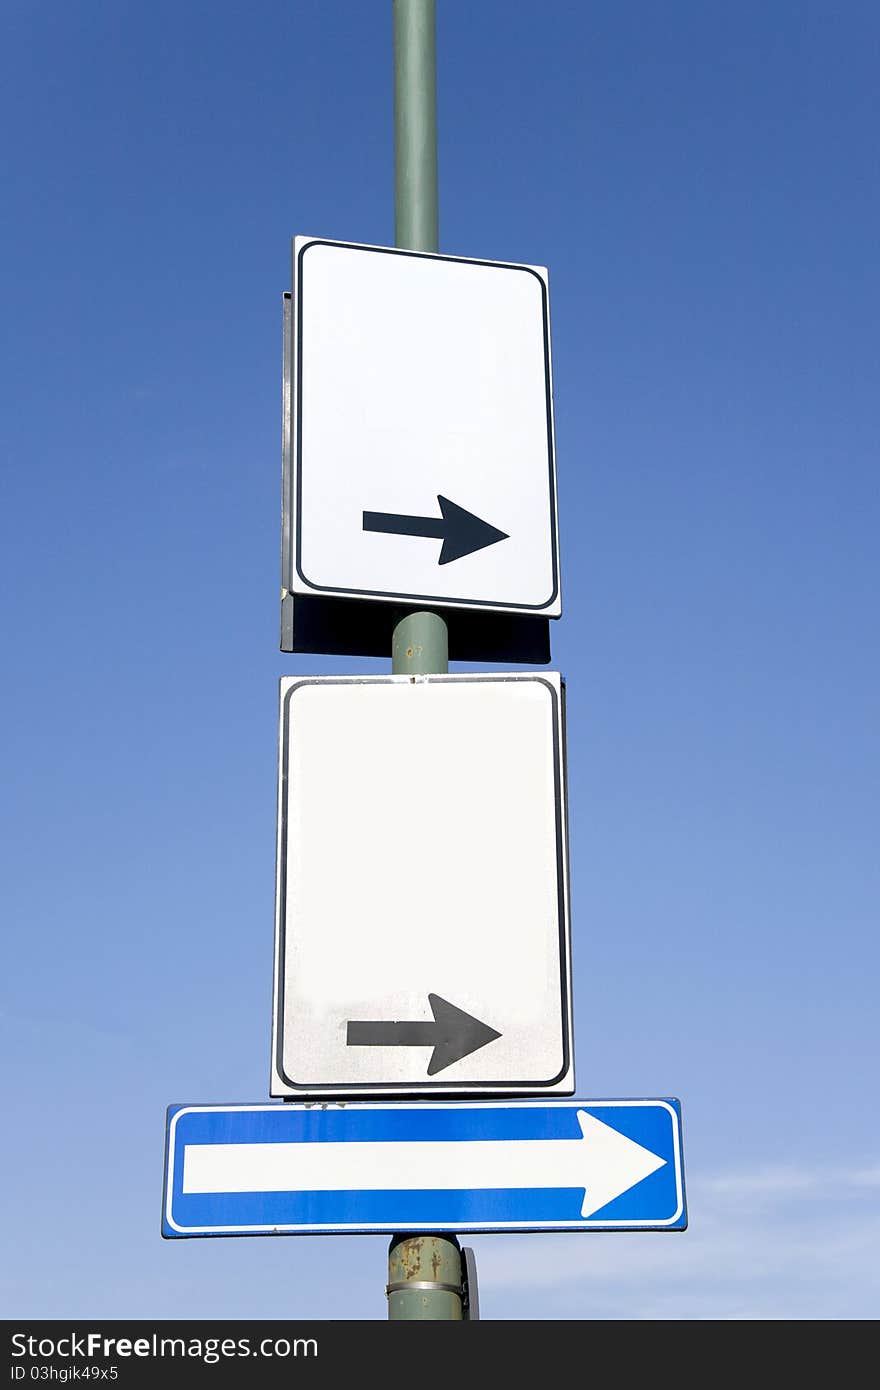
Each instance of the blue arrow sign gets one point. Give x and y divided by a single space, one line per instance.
600 1165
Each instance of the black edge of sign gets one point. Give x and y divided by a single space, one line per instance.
355 627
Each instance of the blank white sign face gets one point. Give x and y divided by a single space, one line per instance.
422 455
422 935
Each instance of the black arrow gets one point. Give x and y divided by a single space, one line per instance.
461 532
453 1034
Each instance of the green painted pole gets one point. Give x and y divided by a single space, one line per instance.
420 642
416 219
424 1272
420 645
424 1279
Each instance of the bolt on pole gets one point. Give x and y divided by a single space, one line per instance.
424 1272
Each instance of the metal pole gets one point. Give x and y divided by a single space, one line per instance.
420 643
424 1272
416 222
424 1279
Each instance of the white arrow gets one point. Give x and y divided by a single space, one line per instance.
604 1162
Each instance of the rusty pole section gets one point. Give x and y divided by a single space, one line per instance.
424 1278
424 1272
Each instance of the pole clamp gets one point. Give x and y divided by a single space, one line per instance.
422 1285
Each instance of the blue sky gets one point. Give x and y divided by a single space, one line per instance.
701 181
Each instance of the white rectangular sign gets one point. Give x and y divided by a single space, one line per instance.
421 461
422 930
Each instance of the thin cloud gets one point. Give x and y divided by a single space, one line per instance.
789 1182
866 1177
771 1243
766 1182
